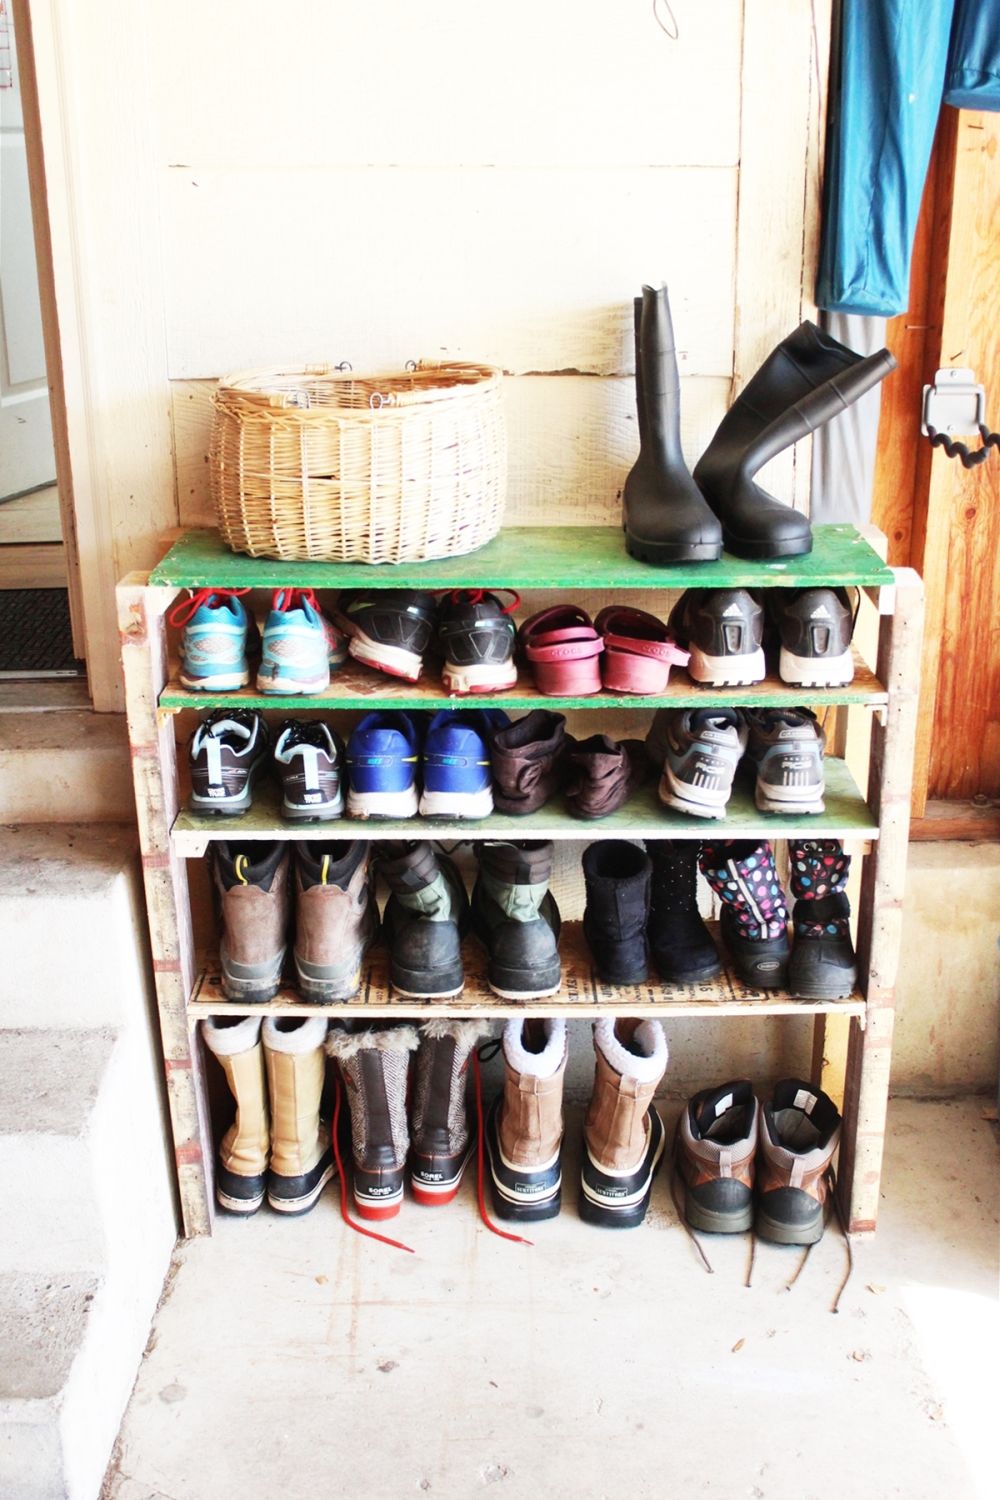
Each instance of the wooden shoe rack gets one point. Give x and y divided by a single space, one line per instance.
580 560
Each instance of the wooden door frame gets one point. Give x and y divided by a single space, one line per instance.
85 80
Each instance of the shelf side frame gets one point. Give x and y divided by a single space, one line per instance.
880 918
142 628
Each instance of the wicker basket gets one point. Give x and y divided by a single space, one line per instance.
319 464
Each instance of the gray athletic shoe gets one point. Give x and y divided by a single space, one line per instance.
703 747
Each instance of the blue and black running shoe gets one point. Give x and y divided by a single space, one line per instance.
383 753
457 779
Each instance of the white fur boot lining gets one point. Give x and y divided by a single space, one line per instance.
230 1041
648 1036
347 1044
465 1034
302 1036
545 1064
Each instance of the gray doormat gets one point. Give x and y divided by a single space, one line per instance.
35 635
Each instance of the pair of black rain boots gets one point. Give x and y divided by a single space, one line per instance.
672 516
643 903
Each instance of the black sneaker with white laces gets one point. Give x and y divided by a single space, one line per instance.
309 760
814 629
476 635
228 753
389 629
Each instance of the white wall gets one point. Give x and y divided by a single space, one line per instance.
380 183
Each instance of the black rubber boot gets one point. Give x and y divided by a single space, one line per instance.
805 381
516 918
666 518
425 918
617 876
682 947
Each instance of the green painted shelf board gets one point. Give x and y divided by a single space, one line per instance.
643 816
528 557
359 687
581 994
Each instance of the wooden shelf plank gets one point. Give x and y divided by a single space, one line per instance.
361 688
643 816
582 995
523 557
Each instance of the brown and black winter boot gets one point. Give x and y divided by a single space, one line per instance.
442 1141
516 918
799 1133
374 1065
623 1136
524 1129
715 1150
241 1170
251 881
336 918
301 1146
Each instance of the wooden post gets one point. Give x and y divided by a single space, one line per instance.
154 769
869 1057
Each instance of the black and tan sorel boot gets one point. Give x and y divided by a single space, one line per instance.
442 1139
301 1145
241 1169
374 1065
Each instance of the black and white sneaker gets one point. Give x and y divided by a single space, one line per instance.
309 759
476 635
723 629
814 628
785 748
703 748
227 755
389 629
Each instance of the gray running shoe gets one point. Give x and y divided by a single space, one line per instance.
703 750
786 750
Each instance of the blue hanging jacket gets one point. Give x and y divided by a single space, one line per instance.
897 60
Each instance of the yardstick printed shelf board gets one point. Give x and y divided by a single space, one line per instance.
360 687
581 994
643 816
529 557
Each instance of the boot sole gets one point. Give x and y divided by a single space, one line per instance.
662 554
241 1208
293 1207
437 1194
691 976
383 1208
740 548
777 1233
427 987
710 1222
510 989
842 990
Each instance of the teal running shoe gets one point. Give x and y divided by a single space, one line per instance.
216 634
300 645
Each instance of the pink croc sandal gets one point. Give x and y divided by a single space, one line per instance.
564 650
638 650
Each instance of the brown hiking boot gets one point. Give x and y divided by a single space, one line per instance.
442 1141
301 1146
375 1065
715 1147
528 760
623 1135
525 1126
603 774
336 918
251 880
799 1132
241 1170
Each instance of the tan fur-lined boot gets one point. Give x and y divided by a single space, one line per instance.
442 1140
301 1144
374 1065
525 1126
241 1170
623 1135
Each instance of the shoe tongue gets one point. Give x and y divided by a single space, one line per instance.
220 728
715 718
328 864
726 1100
793 717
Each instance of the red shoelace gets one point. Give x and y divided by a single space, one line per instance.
288 599
480 1168
476 596
188 608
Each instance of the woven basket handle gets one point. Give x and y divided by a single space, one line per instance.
277 400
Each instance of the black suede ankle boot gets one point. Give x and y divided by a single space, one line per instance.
617 876
681 944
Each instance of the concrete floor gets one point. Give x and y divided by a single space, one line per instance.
297 1359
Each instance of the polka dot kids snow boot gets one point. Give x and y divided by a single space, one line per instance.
754 916
822 965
